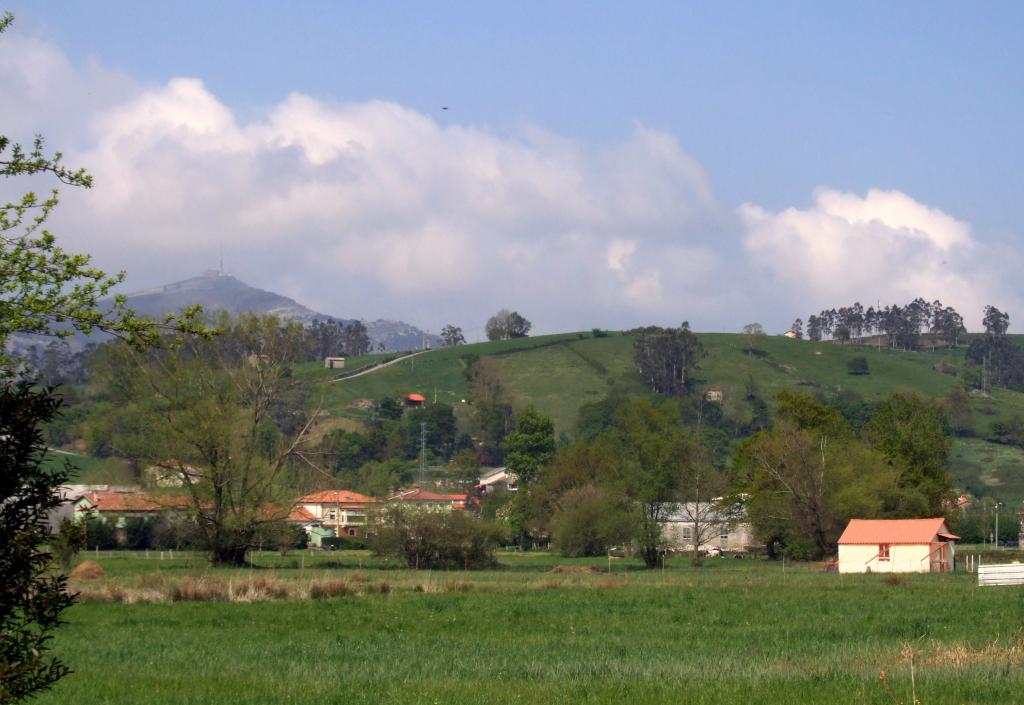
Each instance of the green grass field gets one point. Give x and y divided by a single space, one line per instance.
733 631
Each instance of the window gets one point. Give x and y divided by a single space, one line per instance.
332 515
351 532
724 537
883 551
687 532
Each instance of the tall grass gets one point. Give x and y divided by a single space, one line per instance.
733 631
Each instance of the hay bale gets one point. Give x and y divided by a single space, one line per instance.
88 570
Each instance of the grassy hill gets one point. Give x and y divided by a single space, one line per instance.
559 373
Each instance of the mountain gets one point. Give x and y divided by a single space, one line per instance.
216 291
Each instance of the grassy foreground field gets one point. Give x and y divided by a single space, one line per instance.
733 631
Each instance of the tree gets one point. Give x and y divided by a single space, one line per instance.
452 336
960 411
32 597
530 446
49 291
666 357
700 507
911 433
996 322
798 328
804 485
652 451
507 324
213 403
753 334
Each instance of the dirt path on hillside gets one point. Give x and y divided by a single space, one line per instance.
377 367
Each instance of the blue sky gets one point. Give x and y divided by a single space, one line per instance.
773 101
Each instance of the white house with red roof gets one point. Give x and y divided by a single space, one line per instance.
345 511
897 546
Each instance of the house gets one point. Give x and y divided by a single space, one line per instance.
791 334
716 527
497 480
414 399
715 394
334 363
172 473
344 511
434 501
116 508
896 546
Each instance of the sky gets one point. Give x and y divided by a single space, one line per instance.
587 164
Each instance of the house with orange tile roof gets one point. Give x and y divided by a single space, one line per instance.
344 511
897 546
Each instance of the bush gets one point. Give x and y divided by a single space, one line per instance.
100 534
138 533
431 540
590 521
857 366
342 543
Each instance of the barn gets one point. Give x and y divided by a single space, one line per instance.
896 546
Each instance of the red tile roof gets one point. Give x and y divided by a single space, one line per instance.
337 497
134 502
898 531
415 397
301 515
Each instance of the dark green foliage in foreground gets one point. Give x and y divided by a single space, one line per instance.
31 597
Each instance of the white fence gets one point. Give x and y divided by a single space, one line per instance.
1001 574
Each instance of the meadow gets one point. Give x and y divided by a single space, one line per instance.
731 631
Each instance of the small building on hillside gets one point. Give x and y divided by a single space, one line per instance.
434 501
791 334
714 394
414 399
344 511
334 363
496 480
897 546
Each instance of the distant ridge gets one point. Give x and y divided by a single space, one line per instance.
216 291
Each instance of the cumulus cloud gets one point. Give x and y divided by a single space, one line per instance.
884 246
373 209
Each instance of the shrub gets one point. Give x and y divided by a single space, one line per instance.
342 543
589 521
857 366
100 534
435 539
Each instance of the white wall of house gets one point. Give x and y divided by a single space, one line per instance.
903 558
734 537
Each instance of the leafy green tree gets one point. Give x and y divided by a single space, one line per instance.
434 540
653 451
507 324
211 400
802 487
452 336
666 357
753 335
530 446
960 411
911 433
32 597
590 520
995 321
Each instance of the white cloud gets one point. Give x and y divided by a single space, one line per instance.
373 209
883 246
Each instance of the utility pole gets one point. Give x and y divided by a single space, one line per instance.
998 505
423 452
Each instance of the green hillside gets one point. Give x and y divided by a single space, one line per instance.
559 373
